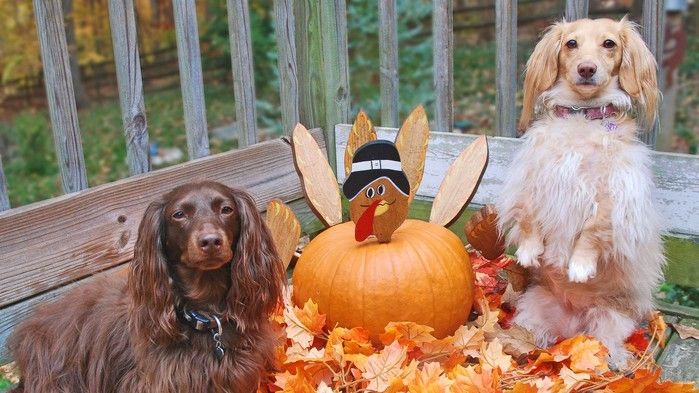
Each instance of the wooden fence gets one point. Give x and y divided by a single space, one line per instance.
313 66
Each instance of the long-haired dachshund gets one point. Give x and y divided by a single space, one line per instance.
191 315
578 199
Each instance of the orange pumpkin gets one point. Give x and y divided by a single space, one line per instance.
422 275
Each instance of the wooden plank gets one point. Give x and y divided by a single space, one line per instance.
191 80
388 62
4 196
128 70
286 60
577 9
443 64
679 360
243 74
309 61
333 25
506 68
50 243
676 175
60 94
652 30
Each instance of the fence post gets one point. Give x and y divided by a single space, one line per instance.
577 9
286 61
130 84
653 28
60 94
191 79
243 75
506 68
324 98
443 64
4 198
388 54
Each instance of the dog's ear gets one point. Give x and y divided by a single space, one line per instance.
257 272
638 70
542 71
149 281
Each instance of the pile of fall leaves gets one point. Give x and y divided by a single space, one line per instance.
488 354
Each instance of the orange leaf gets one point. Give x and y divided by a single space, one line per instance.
493 357
383 368
646 381
657 324
585 354
409 334
469 380
430 379
303 324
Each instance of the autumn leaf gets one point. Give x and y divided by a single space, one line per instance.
430 379
638 341
657 326
468 340
646 381
294 383
409 334
585 354
470 380
570 378
383 368
303 324
492 357
685 331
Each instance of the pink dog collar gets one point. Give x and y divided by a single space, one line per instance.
591 113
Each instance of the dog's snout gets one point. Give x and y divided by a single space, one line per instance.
209 241
587 70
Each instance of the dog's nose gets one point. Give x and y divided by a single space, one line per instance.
209 241
587 70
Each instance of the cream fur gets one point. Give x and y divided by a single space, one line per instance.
578 203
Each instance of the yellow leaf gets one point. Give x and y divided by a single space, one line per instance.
586 354
468 340
493 357
469 380
293 383
303 324
657 324
430 379
383 368
296 353
409 334
487 320
570 378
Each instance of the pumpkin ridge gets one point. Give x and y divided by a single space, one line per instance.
334 276
426 272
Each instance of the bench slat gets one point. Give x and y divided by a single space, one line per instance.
48 244
506 67
679 360
676 175
443 64
388 54
286 61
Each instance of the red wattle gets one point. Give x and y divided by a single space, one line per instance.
365 223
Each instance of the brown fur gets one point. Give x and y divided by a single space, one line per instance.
121 333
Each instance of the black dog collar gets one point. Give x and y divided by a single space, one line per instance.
203 321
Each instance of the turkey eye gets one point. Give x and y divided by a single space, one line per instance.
226 210
369 192
381 189
609 44
572 44
178 215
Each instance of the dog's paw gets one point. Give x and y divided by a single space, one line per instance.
581 269
529 251
619 358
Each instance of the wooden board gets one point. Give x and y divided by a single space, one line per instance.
680 358
51 243
411 142
676 175
388 59
284 228
361 133
286 62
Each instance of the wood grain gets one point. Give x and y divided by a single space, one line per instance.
317 177
128 69
482 233
577 9
243 72
411 143
361 133
388 62
284 228
191 79
506 68
48 244
60 94
286 61
652 30
676 176
4 196
443 64
460 183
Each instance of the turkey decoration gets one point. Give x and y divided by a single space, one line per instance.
381 267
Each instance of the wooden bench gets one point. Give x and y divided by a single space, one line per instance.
49 247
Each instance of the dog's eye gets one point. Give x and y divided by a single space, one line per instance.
381 189
226 210
609 44
178 215
369 192
572 44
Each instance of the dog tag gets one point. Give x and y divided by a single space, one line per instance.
219 352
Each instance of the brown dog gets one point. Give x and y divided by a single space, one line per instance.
191 316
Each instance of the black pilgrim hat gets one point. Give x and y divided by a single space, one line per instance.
374 160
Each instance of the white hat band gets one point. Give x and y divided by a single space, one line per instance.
376 164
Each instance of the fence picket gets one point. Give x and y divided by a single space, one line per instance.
506 67
130 84
60 94
653 27
388 53
577 9
191 79
4 198
443 64
286 46
243 76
